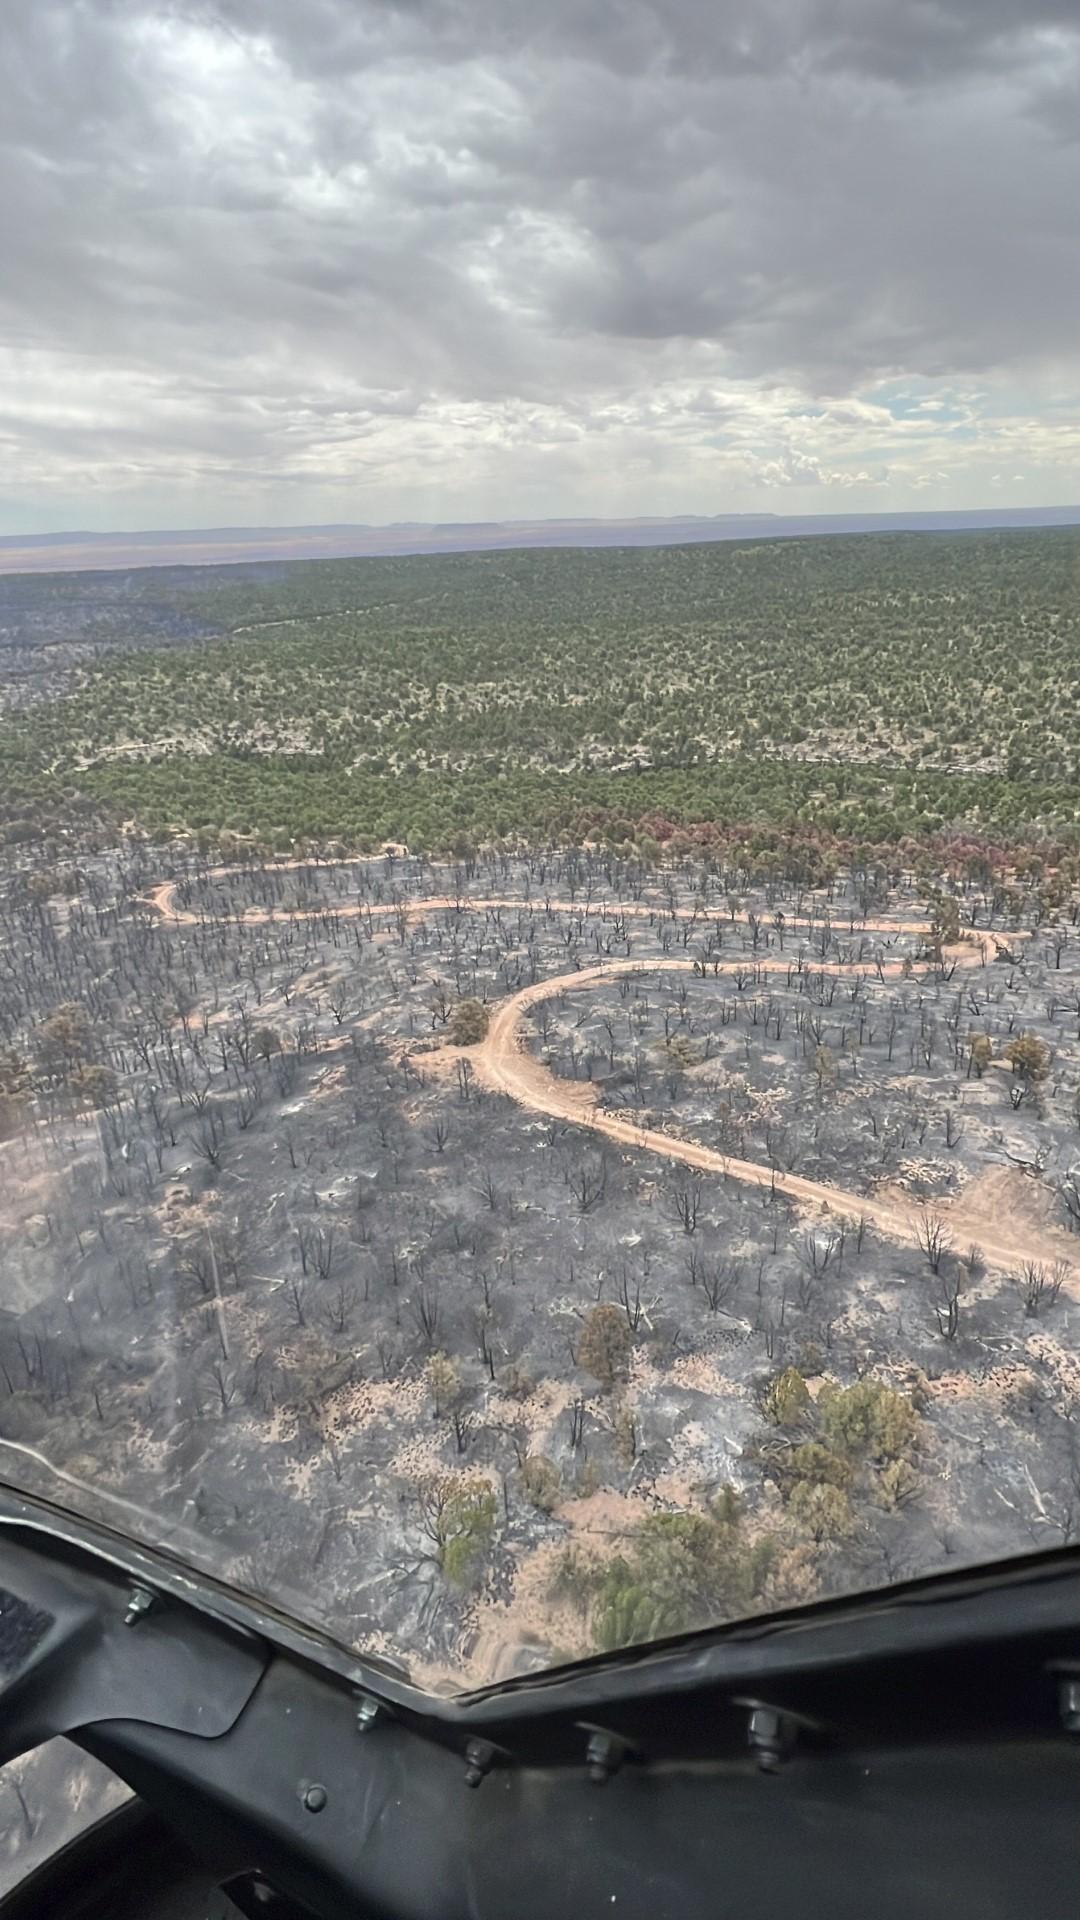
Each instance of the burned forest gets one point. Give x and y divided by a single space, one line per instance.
503 1259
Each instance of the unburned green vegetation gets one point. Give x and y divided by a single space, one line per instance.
869 687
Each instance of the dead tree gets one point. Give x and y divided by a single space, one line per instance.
720 1283
1040 1286
339 1310
424 1307
948 1314
688 1206
934 1239
631 1302
588 1184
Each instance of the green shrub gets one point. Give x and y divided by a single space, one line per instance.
542 1481
786 1400
820 1466
681 1570
468 1023
867 1420
604 1346
824 1511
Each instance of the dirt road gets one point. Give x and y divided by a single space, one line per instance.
161 899
504 1065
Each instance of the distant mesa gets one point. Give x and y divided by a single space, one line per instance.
199 547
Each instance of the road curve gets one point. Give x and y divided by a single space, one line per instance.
161 900
504 1064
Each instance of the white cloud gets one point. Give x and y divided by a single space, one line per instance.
321 259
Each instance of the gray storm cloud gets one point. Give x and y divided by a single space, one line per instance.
314 258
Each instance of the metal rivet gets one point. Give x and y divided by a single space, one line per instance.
140 1603
604 1756
769 1733
315 1798
479 1755
1069 1705
368 1712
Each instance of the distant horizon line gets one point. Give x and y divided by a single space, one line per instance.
82 550
519 520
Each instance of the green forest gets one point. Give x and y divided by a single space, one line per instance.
870 690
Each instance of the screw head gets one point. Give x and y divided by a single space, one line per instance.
368 1712
603 1757
1069 1701
315 1798
140 1603
767 1736
479 1755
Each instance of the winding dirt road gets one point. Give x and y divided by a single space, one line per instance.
161 899
504 1065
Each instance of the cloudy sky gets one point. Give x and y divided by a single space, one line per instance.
307 260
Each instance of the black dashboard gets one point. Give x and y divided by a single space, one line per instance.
913 1752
